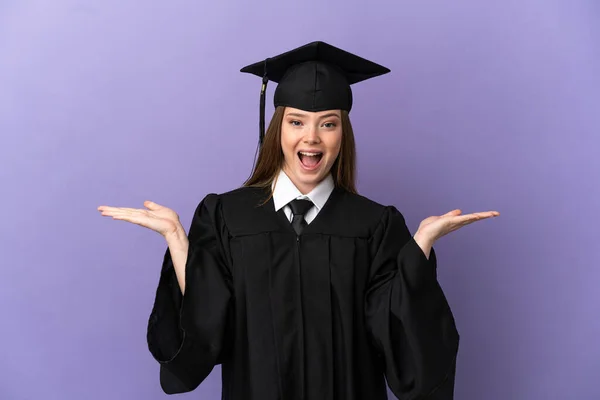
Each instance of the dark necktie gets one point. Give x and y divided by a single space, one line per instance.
299 208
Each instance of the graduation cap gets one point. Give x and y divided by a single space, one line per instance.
314 77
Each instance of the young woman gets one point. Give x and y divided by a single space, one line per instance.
297 285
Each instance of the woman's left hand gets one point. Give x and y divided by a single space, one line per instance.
433 228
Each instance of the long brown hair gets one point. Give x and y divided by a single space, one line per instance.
270 158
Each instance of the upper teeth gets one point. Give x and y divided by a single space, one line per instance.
309 154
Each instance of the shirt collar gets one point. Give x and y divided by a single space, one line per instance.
285 191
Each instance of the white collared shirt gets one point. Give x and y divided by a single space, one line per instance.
285 191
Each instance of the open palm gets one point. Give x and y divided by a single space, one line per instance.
155 216
437 226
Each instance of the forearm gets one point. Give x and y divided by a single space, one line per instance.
178 247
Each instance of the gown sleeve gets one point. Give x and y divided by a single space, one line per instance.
187 333
409 319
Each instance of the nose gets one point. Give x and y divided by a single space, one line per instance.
312 136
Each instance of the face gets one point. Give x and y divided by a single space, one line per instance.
311 143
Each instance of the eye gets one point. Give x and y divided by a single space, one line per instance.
295 123
329 125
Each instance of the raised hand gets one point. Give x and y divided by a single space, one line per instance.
435 227
156 217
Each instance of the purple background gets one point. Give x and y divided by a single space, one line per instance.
490 105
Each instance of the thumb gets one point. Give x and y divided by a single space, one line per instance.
453 212
152 205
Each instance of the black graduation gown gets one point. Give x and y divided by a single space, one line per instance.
327 315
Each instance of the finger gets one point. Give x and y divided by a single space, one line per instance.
118 209
132 210
124 212
475 216
110 211
487 213
121 209
107 208
135 219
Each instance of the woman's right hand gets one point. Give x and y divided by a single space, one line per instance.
156 217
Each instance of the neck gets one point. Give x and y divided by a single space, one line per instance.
304 189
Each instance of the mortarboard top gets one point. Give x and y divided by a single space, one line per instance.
314 77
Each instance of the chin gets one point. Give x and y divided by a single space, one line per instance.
310 179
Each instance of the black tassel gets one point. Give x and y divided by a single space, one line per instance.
263 90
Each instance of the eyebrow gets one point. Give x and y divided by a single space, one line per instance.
304 115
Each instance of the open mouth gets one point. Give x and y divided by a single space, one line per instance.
310 160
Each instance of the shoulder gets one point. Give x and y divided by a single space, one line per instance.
243 199
241 211
382 224
369 209
353 214
365 204
236 198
